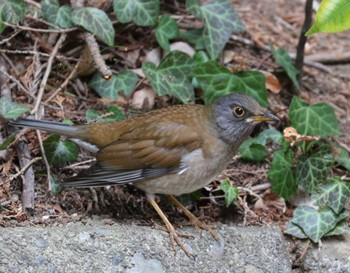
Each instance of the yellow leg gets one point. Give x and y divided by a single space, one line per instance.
174 236
193 219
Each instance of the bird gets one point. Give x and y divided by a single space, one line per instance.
171 151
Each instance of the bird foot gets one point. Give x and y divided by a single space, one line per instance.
175 237
198 224
187 236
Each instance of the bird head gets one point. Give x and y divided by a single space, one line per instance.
236 116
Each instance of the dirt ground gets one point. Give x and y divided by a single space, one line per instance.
267 22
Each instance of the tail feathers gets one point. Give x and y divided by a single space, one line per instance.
49 126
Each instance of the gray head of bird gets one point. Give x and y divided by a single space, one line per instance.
236 116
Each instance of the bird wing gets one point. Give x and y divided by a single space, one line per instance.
141 153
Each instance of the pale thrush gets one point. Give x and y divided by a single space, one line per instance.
170 151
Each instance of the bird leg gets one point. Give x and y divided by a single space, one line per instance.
174 236
193 219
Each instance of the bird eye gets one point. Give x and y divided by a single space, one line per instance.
239 111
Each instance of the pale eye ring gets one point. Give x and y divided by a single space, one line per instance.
238 111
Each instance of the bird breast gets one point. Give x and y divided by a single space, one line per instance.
196 171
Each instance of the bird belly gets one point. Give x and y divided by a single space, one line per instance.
196 172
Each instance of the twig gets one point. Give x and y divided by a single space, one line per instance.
242 189
47 72
64 84
32 52
25 167
61 30
93 47
48 170
72 166
96 56
4 41
25 90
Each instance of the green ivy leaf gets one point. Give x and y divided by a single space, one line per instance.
167 29
64 17
56 15
315 224
343 158
12 11
217 81
50 10
8 141
124 81
270 134
331 16
2 25
220 20
282 58
56 184
313 169
58 152
334 194
194 36
92 115
115 112
9 109
317 119
295 230
231 192
96 21
282 174
340 228
141 12
251 150
172 76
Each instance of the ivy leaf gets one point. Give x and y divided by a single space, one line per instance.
282 174
271 134
313 169
340 228
220 20
231 192
124 81
251 150
92 115
343 158
113 113
141 12
317 119
334 194
56 184
64 17
282 58
50 10
217 81
194 36
9 109
167 29
56 15
8 141
12 11
295 230
315 224
171 77
96 21
331 16
59 152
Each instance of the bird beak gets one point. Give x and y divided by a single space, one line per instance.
264 117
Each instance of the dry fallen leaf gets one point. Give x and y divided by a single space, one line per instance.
270 200
272 83
291 135
183 47
143 99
